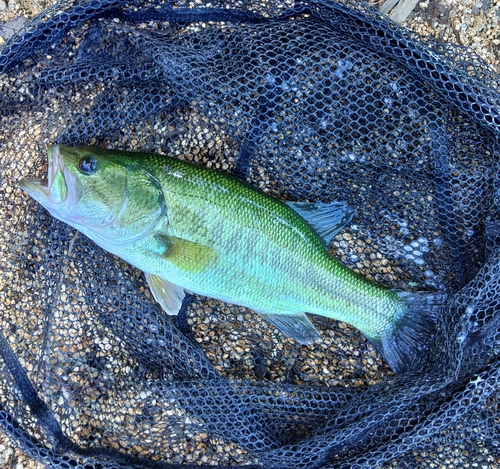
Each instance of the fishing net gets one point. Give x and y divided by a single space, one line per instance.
309 101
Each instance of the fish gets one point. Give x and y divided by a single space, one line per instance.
192 229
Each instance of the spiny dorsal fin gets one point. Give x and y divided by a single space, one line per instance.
189 256
327 219
296 326
169 296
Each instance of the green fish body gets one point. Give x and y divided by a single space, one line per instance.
193 229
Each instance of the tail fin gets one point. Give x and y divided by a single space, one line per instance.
404 344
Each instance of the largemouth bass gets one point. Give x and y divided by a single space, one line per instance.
190 228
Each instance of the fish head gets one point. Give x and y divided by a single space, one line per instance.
105 195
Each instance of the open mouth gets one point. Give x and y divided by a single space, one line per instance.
42 183
53 187
36 188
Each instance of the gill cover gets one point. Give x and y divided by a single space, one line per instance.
120 201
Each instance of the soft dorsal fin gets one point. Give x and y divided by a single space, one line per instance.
296 326
189 256
169 296
327 219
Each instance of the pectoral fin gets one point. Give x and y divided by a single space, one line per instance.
297 326
327 219
169 296
189 256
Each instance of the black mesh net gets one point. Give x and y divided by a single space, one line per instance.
309 101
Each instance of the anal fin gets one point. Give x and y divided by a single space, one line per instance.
296 326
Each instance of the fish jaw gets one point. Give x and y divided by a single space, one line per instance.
58 190
38 189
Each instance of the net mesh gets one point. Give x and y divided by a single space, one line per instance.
309 101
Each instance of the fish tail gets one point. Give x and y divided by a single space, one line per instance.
403 345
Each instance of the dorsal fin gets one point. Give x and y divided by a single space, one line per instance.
327 219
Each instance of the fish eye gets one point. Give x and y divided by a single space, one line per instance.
87 165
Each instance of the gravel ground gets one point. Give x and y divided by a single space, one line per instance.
472 23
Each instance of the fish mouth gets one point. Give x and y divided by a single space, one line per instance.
35 186
53 188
